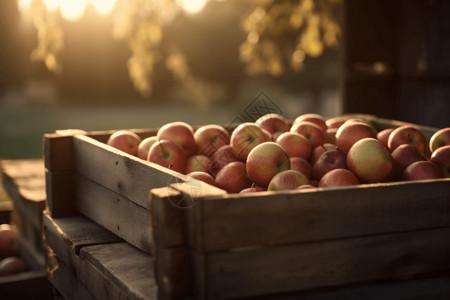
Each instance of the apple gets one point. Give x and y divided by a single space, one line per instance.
312 131
422 170
330 160
253 189
168 154
306 187
338 177
209 138
125 140
275 124
441 157
8 240
287 180
330 135
301 165
351 132
369 161
383 136
319 150
245 137
295 144
180 133
144 147
407 134
314 118
336 122
11 265
404 155
233 177
265 161
203 176
439 139
198 162
223 156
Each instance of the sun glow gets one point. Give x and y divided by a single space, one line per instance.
192 6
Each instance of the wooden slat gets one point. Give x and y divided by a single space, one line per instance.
65 281
117 271
60 192
29 285
58 152
66 237
122 217
264 219
265 270
120 172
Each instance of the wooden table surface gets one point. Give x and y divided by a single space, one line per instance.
90 262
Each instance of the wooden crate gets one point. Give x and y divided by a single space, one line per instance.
85 175
233 245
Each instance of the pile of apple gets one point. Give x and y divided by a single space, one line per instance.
271 154
10 263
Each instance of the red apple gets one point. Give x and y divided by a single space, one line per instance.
233 177
330 160
422 170
407 134
314 118
265 161
296 145
287 180
301 165
338 177
369 161
330 135
318 151
441 157
8 240
253 189
439 139
351 132
209 138
223 156
336 122
404 155
312 131
168 154
144 147
125 140
198 162
246 137
275 124
180 133
203 176
383 136
11 265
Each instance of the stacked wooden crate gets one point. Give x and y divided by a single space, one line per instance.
23 180
222 246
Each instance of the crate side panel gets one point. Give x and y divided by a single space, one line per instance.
117 214
124 174
287 218
269 270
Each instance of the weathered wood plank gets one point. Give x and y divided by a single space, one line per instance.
60 192
117 271
265 270
120 172
122 217
24 182
266 219
66 237
65 280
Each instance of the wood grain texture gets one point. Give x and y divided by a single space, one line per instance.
266 270
67 236
122 217
117 271
120 172
65 281
266 219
